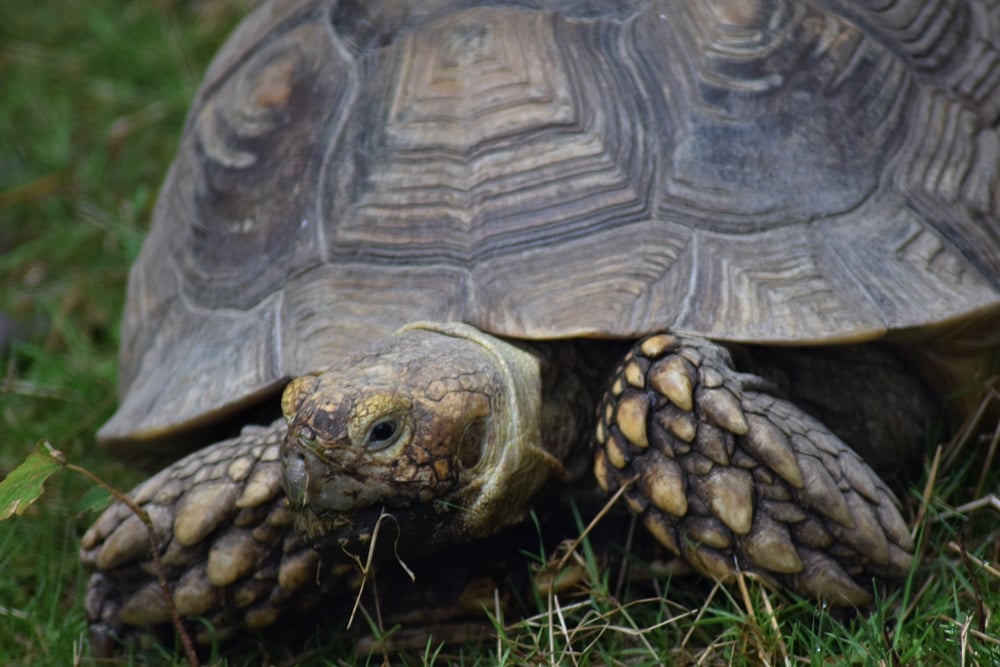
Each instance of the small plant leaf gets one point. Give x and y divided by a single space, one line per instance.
94 500
25 483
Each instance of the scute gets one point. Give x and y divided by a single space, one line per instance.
764 172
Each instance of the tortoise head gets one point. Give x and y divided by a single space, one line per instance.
436 426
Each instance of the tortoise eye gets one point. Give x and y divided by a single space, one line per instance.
383 433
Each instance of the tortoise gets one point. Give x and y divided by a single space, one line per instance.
484 250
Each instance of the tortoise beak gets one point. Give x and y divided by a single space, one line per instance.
295 474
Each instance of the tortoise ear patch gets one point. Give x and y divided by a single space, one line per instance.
473 442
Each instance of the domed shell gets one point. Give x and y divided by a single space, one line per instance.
747 171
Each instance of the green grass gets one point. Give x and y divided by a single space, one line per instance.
92 97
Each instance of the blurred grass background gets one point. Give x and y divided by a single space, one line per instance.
93 94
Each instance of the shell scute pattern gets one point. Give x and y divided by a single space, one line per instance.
435 162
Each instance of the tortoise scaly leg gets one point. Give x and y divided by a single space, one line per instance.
733 478
226 543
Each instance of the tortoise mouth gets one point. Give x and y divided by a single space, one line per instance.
379 531
347 503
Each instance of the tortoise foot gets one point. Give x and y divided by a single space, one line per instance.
732 478
226 546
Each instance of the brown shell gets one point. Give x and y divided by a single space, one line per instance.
751 171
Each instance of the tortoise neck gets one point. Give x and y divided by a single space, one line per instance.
574 374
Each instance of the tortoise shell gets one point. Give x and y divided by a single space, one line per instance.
774 172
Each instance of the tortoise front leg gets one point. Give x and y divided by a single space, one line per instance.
226 543
733 478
